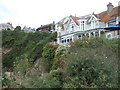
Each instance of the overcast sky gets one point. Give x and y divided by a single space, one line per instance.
34 13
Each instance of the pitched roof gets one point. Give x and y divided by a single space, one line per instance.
104 16
5 24
62 24
75 19
101 15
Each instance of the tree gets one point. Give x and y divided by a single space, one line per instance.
18 28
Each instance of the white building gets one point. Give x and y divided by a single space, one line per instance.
6 26
72 27
28 29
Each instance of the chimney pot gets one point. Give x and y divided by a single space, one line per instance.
109 7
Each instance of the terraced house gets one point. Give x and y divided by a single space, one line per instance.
92 25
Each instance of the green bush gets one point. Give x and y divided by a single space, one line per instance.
60 55
6 80
49 51
93 65
48 54
21 67
45 81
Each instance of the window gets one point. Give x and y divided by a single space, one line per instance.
87 35
113 22
79 36
72 26
96 34
68 40
93 24
82 25
65 40
109 36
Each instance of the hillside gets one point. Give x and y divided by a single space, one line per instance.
87 63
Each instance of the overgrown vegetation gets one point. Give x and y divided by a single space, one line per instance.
23 45
87 63
92 63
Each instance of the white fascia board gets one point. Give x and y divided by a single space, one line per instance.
73 21
67 25
70 20
93 16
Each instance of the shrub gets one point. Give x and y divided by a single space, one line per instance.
94 66
45 81
49 53
6 80
21 67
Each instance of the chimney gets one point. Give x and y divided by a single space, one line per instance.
53 22
109 7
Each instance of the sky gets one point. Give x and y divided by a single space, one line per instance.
34 13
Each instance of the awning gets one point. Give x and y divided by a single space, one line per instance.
113 27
